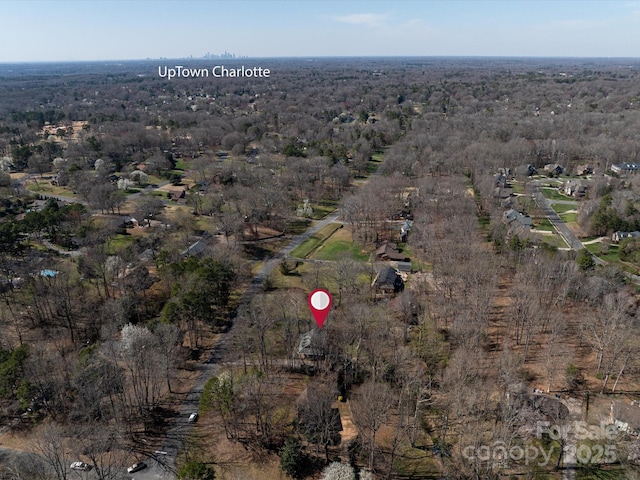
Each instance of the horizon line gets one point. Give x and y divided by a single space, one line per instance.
321 57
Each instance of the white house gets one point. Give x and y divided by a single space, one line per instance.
617 237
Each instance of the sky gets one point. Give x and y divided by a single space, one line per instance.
78 30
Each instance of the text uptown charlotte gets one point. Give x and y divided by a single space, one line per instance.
218 71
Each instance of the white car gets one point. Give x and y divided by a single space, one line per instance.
136 467
80 466
193 418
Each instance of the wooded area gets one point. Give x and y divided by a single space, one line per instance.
476 221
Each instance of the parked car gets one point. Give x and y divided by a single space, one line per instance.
80 466
136 467
193 418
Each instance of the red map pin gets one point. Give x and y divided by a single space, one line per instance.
320 304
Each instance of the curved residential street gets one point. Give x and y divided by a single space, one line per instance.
567 235
561 227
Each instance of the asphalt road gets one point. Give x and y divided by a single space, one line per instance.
561 227
557 222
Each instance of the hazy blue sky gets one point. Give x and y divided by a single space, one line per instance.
118 29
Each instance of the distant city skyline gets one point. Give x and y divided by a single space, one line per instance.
36 31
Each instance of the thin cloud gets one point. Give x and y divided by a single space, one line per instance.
634 7
366 19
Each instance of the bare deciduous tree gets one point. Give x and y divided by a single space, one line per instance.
370 411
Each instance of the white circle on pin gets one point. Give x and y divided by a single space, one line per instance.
320 300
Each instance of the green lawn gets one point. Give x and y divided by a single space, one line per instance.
299 226
333 250
372 167
321 211
518 188
313 242
562 208
554 194
44 186
611 255
417 266
294 280
553 240
374 163
588 239
414 462
182 164
120 242
543 224
569 217
155 180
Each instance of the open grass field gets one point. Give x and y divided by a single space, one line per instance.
552 240
294 279
182 164
561 208
47 188
120 243
308 246
322 210
569 217
554 194
518 188
543 224
298 226
374 163
609 254
339 245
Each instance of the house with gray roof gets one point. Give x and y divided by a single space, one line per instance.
514 218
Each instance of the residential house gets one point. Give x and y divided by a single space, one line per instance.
514 218
554 168
389 251
309 346
506 202
617 237
404 267
196 249
500 180
626 416
147 256
575 188
38 205
405 213
625 167
502 192
176 196
387 283
582 170
43 202
405 229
